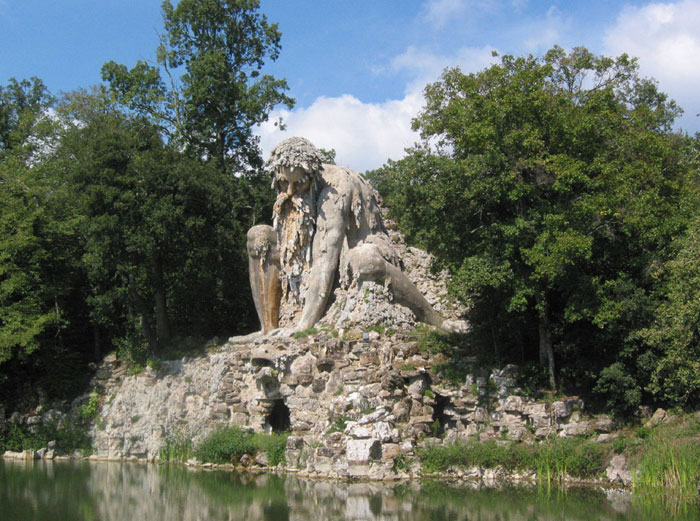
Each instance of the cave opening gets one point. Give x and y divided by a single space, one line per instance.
440 419
279 418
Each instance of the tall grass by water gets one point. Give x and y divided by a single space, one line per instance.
552 460
226 445
669 464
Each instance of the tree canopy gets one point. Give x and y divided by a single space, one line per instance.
124 207
553 190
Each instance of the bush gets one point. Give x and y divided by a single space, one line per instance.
553 459
224 446
227 445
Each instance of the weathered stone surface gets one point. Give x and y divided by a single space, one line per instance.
377 410
657 418
618 471
362 451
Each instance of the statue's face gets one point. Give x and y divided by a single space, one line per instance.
292 180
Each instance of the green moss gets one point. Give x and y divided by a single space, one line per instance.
305 333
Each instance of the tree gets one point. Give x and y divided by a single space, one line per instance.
22 105
42 316
553 192
220 47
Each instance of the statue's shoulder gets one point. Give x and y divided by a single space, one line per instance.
342 179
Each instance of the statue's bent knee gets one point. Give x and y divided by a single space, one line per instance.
263 268
365 262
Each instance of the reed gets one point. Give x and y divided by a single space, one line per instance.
669 468
177 449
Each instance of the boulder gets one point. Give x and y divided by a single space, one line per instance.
361 452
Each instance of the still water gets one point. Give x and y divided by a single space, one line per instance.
84 491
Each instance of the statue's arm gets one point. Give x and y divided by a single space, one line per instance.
327 246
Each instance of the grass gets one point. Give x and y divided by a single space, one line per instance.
669 463
305 333
177 449
551 460
227 445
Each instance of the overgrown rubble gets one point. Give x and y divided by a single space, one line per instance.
354 407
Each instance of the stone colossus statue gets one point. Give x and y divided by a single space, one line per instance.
326 219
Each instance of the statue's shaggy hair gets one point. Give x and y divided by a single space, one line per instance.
295 151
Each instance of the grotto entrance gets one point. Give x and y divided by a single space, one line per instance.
279 418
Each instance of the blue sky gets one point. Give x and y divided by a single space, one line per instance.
357 67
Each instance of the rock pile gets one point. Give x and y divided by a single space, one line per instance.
354 406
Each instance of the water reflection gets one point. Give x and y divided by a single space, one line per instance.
85 491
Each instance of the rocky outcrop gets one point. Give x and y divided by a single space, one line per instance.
359 406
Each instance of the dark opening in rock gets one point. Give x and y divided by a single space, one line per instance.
278 419
440 419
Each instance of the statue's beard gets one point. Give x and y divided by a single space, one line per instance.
294 220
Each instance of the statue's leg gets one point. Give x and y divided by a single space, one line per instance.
366 262
263 270
406 293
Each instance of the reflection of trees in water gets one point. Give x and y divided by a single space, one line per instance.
42 491
130 492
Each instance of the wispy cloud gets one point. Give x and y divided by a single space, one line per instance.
546 32
665 38
439 13
425 66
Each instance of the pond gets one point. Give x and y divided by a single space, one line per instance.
86 491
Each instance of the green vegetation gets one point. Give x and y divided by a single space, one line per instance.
177 449
305 333
669 461
551 460
227 445
339 424
565 207
116 211
68 435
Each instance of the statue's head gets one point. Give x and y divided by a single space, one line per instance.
295 164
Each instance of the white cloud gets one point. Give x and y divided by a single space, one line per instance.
665 38
366 135
439 12
547 32
425 66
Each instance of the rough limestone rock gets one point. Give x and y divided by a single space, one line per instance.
618 471
350 405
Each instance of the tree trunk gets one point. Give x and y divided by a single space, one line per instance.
146 316
546 348
161 305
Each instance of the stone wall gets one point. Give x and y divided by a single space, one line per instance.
353 406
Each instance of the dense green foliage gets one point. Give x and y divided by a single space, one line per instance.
556 193
124 208
227 445
552 460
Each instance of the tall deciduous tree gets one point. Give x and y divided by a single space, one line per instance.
555 189
212 53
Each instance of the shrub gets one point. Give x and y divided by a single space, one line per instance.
228 444
224 446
